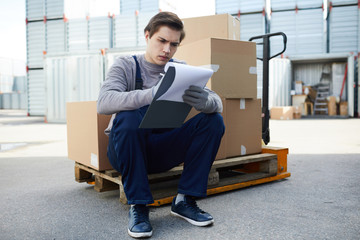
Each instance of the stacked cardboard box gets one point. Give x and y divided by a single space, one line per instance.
282 113
87 142
215 40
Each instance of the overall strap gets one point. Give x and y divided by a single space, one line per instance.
139 81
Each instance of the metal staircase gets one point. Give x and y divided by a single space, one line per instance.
323 91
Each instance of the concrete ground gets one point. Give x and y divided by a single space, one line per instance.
321 200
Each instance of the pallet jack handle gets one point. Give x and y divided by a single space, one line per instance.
265 96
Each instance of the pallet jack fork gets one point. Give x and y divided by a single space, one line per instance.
225 175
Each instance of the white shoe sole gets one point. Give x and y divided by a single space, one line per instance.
139 235
199 224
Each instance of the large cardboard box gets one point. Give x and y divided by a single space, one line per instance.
243 129
87 142
222 26
237 76
282 113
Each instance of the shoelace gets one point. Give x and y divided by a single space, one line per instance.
140 214
190 202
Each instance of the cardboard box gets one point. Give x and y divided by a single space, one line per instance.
243 128
310 92
344 109
332 106
223 26
299 101
87 142
297 112
237 76
282 113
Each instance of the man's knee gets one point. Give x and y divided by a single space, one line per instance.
127 121
215 122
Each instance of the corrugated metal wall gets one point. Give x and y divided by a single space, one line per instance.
129 7
143 19
54 9
228 6
304 30
344 29
252 25
278 5
35 33
99 32
343 2
71 78
125 34
310 73
35 10
36 92
246 6
55 36
234 6
310 37
149 6
279 82
283 22
77 35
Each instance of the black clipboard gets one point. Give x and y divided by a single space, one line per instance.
163 113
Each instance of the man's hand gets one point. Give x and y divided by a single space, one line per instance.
196 97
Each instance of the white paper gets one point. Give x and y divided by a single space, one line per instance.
185 76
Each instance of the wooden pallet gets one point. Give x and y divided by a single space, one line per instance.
225 175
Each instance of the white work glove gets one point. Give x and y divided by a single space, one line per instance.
196 97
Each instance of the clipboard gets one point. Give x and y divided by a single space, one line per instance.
168 113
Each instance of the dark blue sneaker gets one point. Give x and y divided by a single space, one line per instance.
139 223
189 211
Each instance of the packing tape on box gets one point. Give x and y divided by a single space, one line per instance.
213 67
242 103
252 70
243 150
94 160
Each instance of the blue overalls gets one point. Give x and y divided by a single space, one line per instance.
136 152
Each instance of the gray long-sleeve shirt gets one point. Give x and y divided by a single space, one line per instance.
118 90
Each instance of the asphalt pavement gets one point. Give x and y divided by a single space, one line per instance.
321 200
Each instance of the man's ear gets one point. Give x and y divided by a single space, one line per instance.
147 36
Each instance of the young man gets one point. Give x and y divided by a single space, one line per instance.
134 152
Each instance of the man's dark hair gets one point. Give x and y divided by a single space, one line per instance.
168 19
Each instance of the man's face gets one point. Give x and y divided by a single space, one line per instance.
162 46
